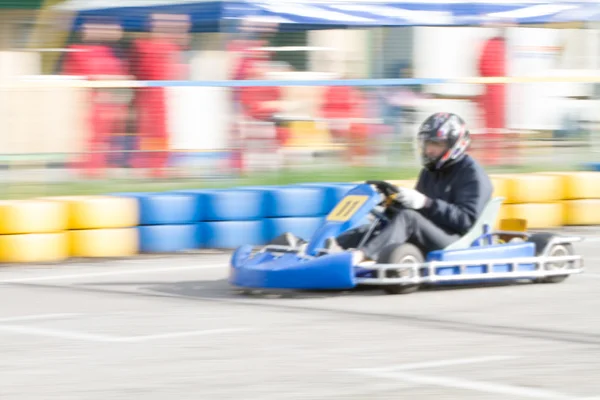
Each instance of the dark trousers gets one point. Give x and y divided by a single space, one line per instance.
407 226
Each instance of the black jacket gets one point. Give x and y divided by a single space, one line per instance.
457 195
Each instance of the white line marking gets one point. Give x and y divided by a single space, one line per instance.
112 273
144 338
91 337
37 317
486 387
46 332
436 364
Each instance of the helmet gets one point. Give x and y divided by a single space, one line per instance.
448 130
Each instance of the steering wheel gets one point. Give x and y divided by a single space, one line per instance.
385 188
389 191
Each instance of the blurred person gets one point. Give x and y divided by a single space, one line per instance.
249 47
400 102
247 51
157 57
450 195
96 58
493 63
344 107
263 103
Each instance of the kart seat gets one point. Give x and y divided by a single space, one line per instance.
488 217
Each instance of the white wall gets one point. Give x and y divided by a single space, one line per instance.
454 53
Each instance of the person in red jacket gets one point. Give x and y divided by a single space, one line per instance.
492 63
262 103
343 107
157 58
96 60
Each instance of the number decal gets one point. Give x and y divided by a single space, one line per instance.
346 209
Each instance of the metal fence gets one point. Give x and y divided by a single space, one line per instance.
258 105
58 141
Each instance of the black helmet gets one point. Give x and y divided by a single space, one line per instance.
447 129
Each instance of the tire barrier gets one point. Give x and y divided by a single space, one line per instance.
34 248
100 226
166 208
592 167
538 215
295 202
99 212
578 185
500 187
530 188
125 224
232 234
334 192
234 204
32 216
104 243
33 231
581 212
170 238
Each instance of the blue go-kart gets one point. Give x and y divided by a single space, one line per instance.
480 256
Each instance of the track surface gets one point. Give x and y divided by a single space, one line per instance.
170 328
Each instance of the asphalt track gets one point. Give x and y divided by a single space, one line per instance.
170 328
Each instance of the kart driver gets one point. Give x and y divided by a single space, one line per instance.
451 192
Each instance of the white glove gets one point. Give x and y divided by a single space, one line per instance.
410 198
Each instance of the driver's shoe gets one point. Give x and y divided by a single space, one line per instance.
332 246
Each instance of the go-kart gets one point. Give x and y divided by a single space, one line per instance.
481 255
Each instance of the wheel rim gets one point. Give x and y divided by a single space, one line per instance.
407 260
558 251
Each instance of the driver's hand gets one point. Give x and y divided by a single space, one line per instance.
411 198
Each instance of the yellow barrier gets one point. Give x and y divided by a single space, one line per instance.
34 248
122 242
533 188
537 215
99 212
551 199
32 216
581 212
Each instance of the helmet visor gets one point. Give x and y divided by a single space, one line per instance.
429 150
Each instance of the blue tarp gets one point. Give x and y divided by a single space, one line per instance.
213 15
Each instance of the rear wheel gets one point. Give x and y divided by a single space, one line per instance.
558 250
406 254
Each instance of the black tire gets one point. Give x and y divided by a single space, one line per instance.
541 241
400 254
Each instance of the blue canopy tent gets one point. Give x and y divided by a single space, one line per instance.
215 16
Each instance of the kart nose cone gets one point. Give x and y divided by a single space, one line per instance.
266 271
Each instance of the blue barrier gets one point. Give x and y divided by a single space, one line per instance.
301 227
595 166
232 234
334 192
190 219
230 204
293 201
167 208
170 238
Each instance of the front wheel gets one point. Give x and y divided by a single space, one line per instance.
406 254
